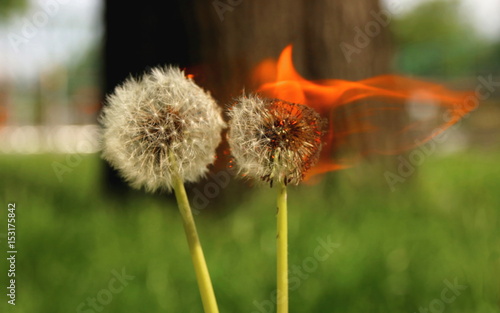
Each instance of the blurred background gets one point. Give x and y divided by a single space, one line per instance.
413 232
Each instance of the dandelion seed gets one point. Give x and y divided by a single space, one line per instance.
160 131
158 126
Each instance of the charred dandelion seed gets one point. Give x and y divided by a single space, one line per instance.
274 140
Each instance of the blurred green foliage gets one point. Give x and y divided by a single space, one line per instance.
7 7
435 39
395 249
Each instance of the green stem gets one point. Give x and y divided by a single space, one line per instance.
282 251
200 266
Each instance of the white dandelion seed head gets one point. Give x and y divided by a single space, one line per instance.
160 125
274 140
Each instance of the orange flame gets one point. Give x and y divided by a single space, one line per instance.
422 110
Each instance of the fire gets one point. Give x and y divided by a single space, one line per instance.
358 109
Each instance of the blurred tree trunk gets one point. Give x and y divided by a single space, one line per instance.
331 39
236 35
226 39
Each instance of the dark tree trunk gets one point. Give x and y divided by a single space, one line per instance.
223 40
139 36
234 38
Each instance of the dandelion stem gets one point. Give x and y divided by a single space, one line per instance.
200 266
282 251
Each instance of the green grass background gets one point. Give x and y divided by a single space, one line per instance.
395 249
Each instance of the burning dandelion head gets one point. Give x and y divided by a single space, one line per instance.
158 126
274 140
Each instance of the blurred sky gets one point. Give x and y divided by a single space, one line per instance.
64 34
76 25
